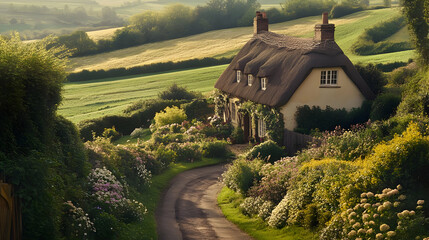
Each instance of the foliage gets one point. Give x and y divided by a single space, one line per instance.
237 136
384 106
275 180
371 41
78 42
315 118
268 151
400 76
85 75
138 133
186 152
415 98
297 9
170 115
138 114
242 174
106 189
111 133
174 92
342 9
373 77
272 117
416 12
76 223
197 109
382 216
215 148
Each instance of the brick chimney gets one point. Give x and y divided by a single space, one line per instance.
260 22
324 31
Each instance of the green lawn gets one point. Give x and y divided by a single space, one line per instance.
91 99
229 201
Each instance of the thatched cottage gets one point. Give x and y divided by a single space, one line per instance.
284 72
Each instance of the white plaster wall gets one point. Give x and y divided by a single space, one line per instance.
346 95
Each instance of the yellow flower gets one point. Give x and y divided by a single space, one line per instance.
352 233
379 236
420 202
391 233
384 227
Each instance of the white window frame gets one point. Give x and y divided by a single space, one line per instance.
262 127
238 76
329 78
249 80
264 81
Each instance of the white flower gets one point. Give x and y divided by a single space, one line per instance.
402 197
420 202
391 233
379 236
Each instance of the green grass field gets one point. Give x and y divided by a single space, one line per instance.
226 42
91 99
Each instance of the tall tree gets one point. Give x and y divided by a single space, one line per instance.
417 14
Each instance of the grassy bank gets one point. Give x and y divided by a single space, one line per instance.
229 202
151 197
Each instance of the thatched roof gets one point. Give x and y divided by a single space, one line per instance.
286 61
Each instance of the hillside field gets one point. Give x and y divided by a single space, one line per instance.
91 99
227 42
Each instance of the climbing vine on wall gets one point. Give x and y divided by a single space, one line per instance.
272 117
220 99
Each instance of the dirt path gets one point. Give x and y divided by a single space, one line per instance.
188 209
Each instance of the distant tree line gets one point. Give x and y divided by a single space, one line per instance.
178 21
150 68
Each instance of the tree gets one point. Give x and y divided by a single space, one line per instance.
417 15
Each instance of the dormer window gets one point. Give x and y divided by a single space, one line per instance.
328 77
250 79
238 76
264 81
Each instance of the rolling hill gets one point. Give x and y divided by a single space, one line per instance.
90 99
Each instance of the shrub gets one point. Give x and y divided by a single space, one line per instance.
383 216
251 205
315 118
215 148
111 133
399 76
384 106
276 179
105 188
165 155
197 109
237 136
267 150
175 92
242 174
170 115
265 210
76 223
107 226
130 211
280 214
186 152
373 77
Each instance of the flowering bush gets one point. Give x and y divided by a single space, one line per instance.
382 216
131 211
276 178
242 174
186 152
77 224
105 187
250 206
111 133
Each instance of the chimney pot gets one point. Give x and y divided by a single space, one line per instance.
260 22
325 18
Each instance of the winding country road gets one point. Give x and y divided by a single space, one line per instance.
188 209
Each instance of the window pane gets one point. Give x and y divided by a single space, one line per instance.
323 78
334 77
250 80
238 75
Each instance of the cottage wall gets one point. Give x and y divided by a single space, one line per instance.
344 95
